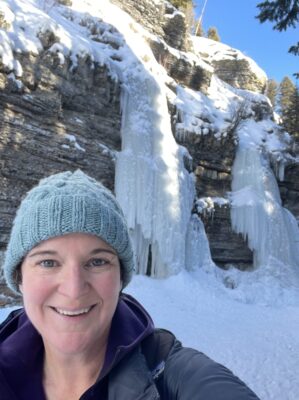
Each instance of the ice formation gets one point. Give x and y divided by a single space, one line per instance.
152 184
198 254
153 187
257 213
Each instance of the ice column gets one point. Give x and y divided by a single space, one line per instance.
198 254
152 185
271 230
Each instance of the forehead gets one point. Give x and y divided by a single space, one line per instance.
74 240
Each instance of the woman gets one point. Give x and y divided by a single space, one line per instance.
78 337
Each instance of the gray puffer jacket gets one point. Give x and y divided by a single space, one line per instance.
185 374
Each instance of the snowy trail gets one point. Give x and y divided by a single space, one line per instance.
258 343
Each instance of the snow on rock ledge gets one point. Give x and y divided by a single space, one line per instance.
231 65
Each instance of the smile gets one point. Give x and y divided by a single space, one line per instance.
74 313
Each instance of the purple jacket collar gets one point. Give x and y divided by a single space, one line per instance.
21 349
130 325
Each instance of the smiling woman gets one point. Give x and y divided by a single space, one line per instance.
70 287
79 336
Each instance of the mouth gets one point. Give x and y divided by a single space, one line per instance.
73 313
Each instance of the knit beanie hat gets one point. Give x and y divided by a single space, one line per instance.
68 202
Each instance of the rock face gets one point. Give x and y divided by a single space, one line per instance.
53 120
231 65
183 70
289 189
170 42
159 18
212 163
238 73
227 247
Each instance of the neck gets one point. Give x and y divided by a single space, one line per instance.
69 376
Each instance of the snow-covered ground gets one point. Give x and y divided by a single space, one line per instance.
259 343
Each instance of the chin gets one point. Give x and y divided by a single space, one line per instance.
70 343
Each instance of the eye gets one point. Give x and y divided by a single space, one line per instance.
48 263
102 260
98 262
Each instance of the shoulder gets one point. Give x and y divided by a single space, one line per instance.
190 374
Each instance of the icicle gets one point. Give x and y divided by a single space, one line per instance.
198 253
257 214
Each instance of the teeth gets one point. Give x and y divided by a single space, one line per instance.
72 313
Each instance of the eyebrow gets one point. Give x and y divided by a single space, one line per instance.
53 252
42 252
100 250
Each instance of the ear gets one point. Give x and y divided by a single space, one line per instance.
21 288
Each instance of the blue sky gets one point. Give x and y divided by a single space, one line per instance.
237 27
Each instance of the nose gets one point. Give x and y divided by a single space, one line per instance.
73 282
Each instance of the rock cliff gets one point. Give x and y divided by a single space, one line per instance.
54 116
53 119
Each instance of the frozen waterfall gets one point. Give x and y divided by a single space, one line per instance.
152 185
271 230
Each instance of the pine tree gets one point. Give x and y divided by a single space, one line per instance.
213 34
288 101
271 91
284 13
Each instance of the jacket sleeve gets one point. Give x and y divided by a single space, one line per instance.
191 375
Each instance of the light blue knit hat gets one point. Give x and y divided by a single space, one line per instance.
68 202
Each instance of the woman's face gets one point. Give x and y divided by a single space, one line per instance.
70 286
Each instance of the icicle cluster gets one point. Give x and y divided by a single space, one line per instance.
156 192
271 230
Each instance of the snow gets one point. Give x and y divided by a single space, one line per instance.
17 82
212 50
206 205
259 343
245 320
107 151
72 139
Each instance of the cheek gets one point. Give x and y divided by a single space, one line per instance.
34 289
110 287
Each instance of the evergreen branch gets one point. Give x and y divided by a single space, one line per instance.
284 12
